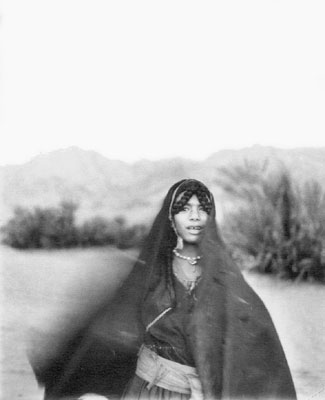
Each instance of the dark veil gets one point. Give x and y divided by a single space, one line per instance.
235 346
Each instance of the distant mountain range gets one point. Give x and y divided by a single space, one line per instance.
110 187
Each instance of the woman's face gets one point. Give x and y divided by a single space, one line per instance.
191 221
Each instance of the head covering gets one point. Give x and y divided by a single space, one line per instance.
235 346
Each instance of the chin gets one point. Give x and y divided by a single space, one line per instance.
195 240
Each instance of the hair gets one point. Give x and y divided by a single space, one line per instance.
188 189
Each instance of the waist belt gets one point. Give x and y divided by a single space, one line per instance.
168 374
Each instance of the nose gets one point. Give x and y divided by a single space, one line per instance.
195 215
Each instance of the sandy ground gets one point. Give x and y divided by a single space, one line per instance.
41 289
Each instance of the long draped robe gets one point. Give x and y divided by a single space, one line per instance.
233 341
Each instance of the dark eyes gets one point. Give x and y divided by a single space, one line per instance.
187 208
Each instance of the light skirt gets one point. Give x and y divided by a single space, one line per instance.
137 389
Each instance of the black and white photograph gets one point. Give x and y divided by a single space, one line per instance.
162 212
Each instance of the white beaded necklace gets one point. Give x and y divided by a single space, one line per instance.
190 260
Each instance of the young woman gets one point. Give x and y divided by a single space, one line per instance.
184 324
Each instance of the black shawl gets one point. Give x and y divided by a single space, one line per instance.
236 349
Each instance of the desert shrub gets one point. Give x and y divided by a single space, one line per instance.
100 231
21 230
97 231
42 227
276 222
56 228
132 236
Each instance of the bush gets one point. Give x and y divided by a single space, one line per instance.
96 232
42 228
278 223
56 228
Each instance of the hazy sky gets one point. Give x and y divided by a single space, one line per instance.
148 79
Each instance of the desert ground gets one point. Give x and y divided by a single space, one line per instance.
42 289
